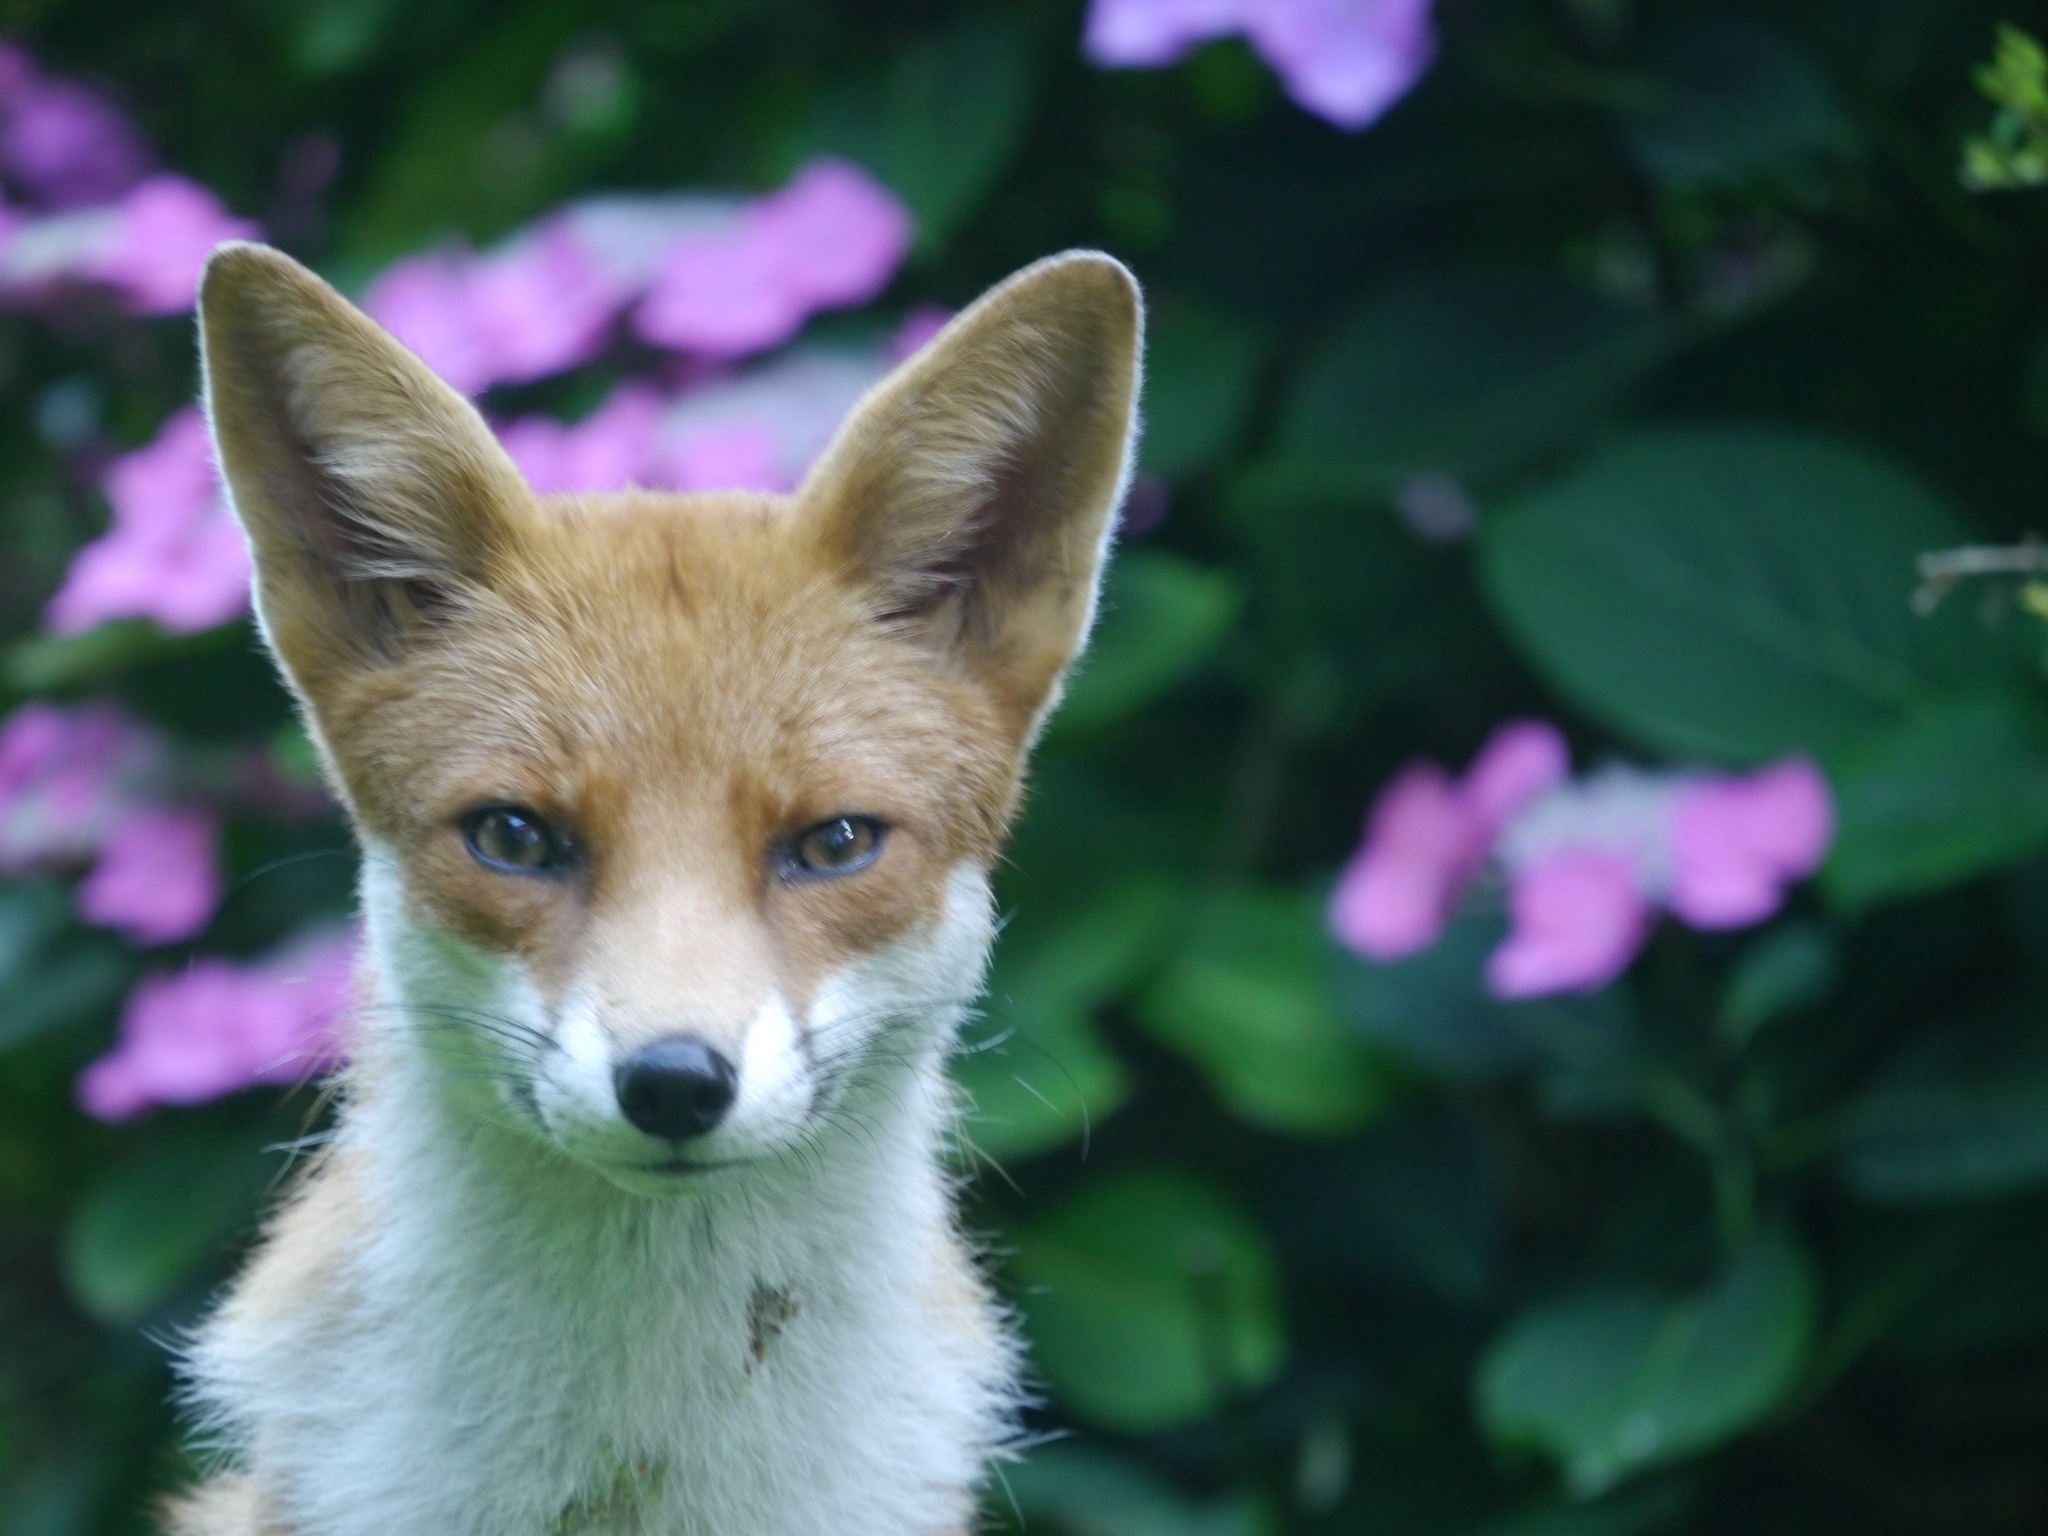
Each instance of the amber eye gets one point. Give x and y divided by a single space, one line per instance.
836 847
513 839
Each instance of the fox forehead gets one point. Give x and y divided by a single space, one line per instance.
679 682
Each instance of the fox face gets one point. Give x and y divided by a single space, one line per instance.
676 809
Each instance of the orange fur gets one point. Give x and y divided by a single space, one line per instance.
681 683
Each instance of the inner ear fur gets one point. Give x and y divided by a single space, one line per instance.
973 490
373 494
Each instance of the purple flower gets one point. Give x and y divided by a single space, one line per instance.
1586 862
1737 843
1426 838
62 144
609 449
534 307
68 779
1575 921
1149 34
727 456
220 1026
174 553
832 237
919 326
158 877
167 226
1397 892
1347 61
424 302
762 428
148 248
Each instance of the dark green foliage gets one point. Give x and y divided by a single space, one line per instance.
1618 377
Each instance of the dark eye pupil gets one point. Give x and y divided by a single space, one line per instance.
513 839
841 843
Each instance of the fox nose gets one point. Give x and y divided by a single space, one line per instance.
676 1088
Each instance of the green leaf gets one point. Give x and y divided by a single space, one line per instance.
1149 1299
1785 970
1732 103
468 154
1634 1512
1247 1000
939 123
1957 788
1043 1075
51 975
1733 593
1432 1011
1201 367
161 1215
73 983
1162 617
1962 1115
1612 1382
59 663
1465 373
1086 1491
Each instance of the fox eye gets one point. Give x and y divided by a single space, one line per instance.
836 847
513 839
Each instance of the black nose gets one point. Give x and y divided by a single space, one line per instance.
676 1088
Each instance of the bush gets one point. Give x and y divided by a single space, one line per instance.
1660 389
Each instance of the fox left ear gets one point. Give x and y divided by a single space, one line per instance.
974 489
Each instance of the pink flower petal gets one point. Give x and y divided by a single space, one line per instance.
1738 842
609 449
918 327
1420 848
425 302
714 295
1145 34
832 237
1519 761
168 226
1347 61
174 553
158 878
540 306
220 1026
733 455
68 778
66 146
1576 920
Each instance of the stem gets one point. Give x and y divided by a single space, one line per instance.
1702 1125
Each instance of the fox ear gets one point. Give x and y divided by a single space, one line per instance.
973 490
374 497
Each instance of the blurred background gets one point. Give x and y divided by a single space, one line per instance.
1522 1008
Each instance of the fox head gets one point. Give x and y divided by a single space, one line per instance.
677 810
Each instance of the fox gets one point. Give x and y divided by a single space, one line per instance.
676 815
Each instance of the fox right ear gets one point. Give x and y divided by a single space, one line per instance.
374 496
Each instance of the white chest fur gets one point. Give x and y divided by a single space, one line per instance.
520 1350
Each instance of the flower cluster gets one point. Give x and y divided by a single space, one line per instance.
1587 862
174 552
719 278
93 217
714 279
547 300
1347 61
755 431
220 1026
91 787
